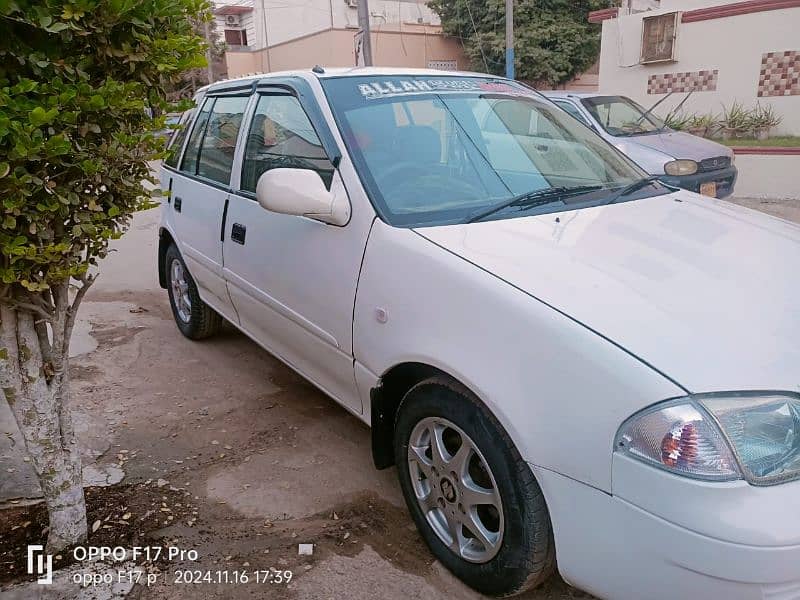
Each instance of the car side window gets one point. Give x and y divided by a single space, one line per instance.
189 163
219 142
281 135
178 138
570 108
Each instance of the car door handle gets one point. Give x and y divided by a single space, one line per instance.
177 203
238 233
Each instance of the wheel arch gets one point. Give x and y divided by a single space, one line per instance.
385 399
165 240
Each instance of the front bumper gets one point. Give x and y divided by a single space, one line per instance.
617 550
724 178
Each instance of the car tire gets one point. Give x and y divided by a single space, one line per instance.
195 319
516 550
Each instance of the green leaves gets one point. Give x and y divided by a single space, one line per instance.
75 139
553 40
39 116
97 102
58 145
57 27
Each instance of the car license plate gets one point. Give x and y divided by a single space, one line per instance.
709 189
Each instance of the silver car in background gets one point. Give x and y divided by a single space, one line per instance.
677 158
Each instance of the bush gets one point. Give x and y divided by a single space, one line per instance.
737 119
678 121
553 40
764 117
76 78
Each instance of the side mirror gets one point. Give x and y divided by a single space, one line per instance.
301 192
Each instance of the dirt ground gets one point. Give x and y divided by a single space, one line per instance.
268 461
265 461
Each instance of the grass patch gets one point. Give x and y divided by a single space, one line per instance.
788 141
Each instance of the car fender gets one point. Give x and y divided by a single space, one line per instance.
649 159
559 389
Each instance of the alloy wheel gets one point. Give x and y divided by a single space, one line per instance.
455 489
180 291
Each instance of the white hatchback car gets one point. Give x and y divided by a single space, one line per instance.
567 361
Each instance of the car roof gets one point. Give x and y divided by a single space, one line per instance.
327 73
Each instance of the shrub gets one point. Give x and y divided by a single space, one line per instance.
76 78
736 118
678 121
764 117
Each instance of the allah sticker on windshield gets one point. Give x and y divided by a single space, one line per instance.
499 87
404 87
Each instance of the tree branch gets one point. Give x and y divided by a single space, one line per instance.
72 309
31 308
60 294
44 300
45 347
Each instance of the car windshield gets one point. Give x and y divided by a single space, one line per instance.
621 116
435 151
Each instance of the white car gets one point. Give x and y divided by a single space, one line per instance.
568 362
678 158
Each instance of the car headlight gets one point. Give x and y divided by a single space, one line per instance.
681 167
719 437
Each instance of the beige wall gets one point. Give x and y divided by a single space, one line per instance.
334 48
241 63
733 45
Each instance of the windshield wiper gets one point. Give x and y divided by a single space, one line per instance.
632 187
649 110
531 199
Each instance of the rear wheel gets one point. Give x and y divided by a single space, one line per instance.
472 496
194 318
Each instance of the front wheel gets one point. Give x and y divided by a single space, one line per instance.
473 498
194 318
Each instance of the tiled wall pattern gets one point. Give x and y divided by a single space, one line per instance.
699 81
780 74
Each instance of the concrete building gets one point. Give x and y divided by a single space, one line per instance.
725 51
274 35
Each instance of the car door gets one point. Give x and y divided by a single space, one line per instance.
199 193
293 279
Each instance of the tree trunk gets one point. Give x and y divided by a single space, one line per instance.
34 376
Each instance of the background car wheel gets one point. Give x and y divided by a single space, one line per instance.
474 499
194 318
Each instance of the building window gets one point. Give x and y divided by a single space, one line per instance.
236 37
658 38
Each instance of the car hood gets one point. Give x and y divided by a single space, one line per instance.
704 291
679 144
